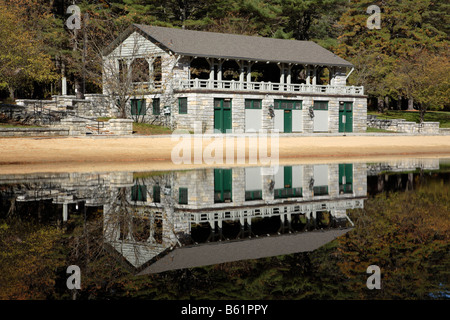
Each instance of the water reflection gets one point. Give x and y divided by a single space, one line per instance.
181 219
151 222
172 220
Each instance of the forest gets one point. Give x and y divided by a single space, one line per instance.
403 64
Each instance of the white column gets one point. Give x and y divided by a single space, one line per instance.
308 75
314 79
211 69
241 75
289 75
65 212
219 70
249 71
281 73
64 86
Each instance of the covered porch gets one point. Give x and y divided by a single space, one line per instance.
245 75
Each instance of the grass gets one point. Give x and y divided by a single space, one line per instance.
149 129
143 128
379 130
442 117
104 119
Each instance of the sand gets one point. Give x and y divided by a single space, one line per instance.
99 154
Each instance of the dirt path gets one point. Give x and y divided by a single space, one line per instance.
147 153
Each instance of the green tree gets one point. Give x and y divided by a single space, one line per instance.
423 76
23 58
405 26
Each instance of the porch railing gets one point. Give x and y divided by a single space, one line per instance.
267 87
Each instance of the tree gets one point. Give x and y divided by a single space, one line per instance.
405 26
314 19
22 58
423 76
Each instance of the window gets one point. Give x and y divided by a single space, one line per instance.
183 196
139 193
157 194
140 70
157 71
288 104
123 70
288 193
320 105
138 107
156 106
320 190
182 106
253 195
253 104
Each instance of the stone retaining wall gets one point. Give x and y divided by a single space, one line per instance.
120 126
33 132
401 125
78 127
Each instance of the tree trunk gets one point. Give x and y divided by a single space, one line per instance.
410 104
386 102
380 105
11 93
399 103
78 88
422 112
78 84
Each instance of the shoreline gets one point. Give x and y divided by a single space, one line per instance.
87 154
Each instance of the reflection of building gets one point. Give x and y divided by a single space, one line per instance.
203 211
180 219
162 221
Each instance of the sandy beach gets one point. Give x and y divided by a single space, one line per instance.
96 154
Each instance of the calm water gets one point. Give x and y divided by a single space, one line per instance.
304 232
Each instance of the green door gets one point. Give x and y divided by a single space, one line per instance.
346 117
288 177
346 178
222 115
287 121
222 185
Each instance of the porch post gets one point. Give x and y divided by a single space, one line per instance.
289 75
331 73
241 74
211 69
219 70
281 66
314 80
308 75
249 71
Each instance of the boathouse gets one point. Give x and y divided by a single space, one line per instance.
233 83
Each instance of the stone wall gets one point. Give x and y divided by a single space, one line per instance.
201 109
33 132
80 127
401 125
120 126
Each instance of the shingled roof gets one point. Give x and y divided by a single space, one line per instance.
255 248
232 46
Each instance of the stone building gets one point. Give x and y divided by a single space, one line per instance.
232 83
